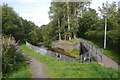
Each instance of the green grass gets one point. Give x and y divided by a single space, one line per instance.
61 69
73 52
113 55
22 73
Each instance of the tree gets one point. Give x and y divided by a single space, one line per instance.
47 37
88 22
9 20
63 18
109 12
16 26
91 26
68 19
57 14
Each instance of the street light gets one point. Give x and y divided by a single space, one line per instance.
105 32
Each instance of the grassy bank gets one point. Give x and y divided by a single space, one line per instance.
22 73
61 69
14 64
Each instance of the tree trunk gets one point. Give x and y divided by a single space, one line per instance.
59 36
65 28
74 35
65 37
59 30
68 21
76 21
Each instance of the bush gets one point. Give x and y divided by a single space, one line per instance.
11 57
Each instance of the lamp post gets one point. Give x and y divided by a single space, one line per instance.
106 16
105 32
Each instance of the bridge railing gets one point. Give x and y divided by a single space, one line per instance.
93 51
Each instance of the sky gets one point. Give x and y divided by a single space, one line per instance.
37 10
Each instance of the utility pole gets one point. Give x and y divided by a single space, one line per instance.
105 33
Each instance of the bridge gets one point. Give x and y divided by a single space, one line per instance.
90 53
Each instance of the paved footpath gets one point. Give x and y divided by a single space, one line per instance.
38 69
108 62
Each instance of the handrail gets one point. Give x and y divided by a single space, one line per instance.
93 51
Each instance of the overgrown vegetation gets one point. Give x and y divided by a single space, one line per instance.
73 52
61 69
21 29
12 60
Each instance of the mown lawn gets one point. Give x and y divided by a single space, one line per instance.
61 69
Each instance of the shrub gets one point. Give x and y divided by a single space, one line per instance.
11 56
